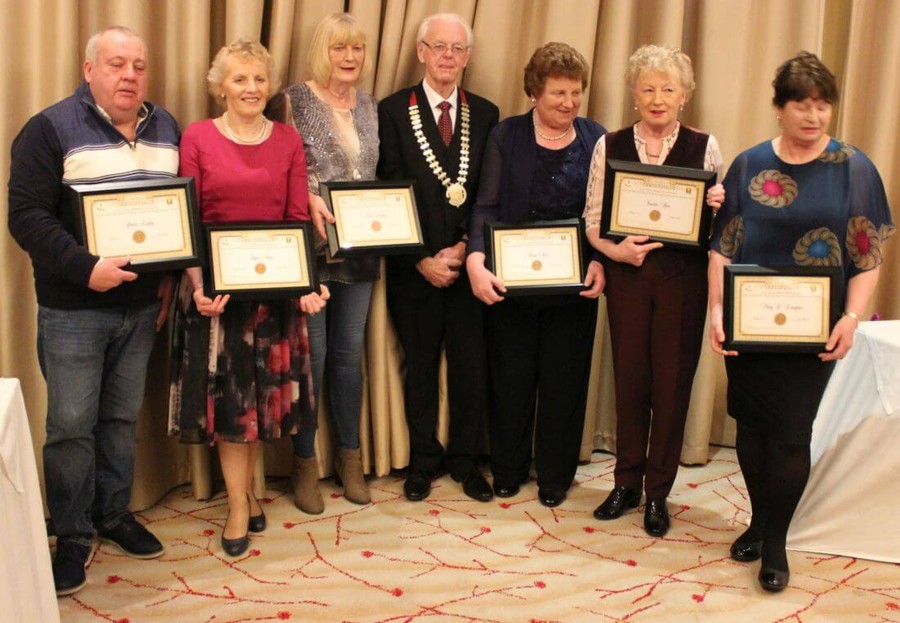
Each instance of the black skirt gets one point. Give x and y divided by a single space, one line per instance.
778 394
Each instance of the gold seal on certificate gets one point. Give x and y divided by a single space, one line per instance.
779 309
668 204
371 218
536 258
154 222
456 194
260 260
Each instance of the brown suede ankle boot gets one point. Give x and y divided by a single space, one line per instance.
348 466
305 480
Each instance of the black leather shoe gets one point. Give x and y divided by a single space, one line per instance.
257 523
505 491
656 517
551 498
774 580
746 549
475 486
417 486
618 500
133 539
69 576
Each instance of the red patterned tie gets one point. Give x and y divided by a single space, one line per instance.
445 126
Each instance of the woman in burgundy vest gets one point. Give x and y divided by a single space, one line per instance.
656 295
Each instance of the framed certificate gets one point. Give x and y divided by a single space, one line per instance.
780 309
260 260
154 222
537 258
371 218
668 204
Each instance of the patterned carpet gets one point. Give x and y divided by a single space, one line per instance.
453 559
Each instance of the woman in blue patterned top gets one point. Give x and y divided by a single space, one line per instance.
808 199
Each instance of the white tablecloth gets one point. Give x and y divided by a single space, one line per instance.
26 582
851 506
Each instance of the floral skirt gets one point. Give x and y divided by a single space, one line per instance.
241 377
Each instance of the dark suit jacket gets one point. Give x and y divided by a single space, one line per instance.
401 159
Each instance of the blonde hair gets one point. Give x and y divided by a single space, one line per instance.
335 29
245 50
663 59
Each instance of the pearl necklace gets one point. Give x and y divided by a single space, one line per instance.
238 139
456 191
552 139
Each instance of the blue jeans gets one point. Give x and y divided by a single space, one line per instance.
336 337
95 365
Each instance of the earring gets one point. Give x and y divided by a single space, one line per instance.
532 100
222 95
681 109
635 107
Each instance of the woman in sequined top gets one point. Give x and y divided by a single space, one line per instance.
803 198
339 126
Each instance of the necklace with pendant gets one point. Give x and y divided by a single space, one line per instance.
456 191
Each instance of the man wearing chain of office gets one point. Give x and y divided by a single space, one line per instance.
435 133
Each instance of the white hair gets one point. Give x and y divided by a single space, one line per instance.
90 50
445 17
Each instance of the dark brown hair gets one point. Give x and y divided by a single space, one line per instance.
801 77
557 60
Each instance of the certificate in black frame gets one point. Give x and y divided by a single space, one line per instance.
624 179
772 287
113 217
573 229
258 243
340 243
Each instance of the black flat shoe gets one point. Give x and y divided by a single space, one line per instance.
257 523
417 486
656 517
746 549
774 573
505 491
774 580
619 498
551 498
475 486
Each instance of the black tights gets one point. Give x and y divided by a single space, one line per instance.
775 473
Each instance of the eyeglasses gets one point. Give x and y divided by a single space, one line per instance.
441 48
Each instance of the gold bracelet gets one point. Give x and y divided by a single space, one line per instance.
851 315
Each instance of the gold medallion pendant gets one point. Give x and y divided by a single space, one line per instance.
456 194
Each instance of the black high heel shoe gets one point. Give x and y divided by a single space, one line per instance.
256 523
234 547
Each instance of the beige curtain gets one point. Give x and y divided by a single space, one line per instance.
736 46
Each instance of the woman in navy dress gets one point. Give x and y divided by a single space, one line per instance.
808 199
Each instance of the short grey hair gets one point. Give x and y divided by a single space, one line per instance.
663 59
90 50
445 17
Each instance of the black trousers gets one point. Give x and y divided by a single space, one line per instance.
451 318
539 351
656 317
